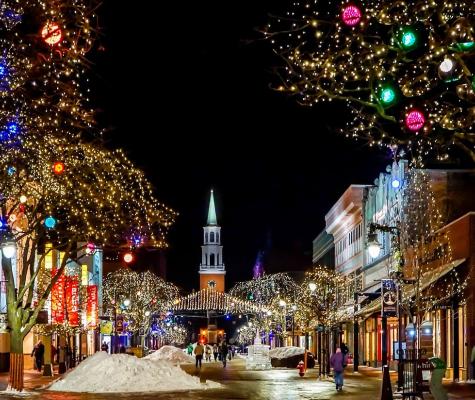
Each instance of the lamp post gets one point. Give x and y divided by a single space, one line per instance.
374 248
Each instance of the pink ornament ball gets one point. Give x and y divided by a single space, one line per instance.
415 120
351 15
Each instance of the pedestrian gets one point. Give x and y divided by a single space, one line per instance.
208 353
344 348
199 350
224 352
472 361
338 363
189 349
233 350
215 352
105 347
38 352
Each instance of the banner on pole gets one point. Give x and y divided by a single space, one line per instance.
388 298
92 315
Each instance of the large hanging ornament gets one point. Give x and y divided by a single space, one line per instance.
128 258
51 33
50 222
387 95
351 15
408 38
58 167
448 70
466 46
414 120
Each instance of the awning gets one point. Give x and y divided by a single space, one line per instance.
409 291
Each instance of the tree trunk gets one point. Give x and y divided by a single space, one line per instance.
15 381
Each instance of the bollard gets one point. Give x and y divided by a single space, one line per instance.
436 388
386 389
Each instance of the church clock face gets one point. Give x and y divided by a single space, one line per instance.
212 284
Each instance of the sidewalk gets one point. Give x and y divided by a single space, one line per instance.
456 390
32 379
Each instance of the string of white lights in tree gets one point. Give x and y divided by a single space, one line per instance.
210 299
426 247
138 296
405 69
268 290
319 300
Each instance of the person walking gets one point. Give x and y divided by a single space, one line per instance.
189 349
105 347
38 352
199 350
224 352
208 351
215 352
338 363
344 348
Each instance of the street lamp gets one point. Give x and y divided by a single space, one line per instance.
126 302
312 286
374 247
8 249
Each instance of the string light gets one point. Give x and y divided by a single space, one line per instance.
140 294
325 61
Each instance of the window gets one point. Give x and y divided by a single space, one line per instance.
211 259
217 259
206 237
211 237
217 237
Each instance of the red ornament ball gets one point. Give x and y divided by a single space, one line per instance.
128 257
58 168
51 33
415 120
351 15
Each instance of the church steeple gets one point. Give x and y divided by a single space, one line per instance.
212 270
212 220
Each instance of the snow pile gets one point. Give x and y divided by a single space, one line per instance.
103 373
286 352
171 353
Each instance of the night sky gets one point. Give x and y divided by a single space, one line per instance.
184 89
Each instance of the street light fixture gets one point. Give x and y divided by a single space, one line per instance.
374 247
126 302
8 249
312 286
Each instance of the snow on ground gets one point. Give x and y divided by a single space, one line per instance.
171 353
285 352
102 373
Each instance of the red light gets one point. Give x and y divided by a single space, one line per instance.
51 33
58 168
90 248
351 15
128 257
415 120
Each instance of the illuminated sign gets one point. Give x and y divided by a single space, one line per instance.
92 306
57 299
72 299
